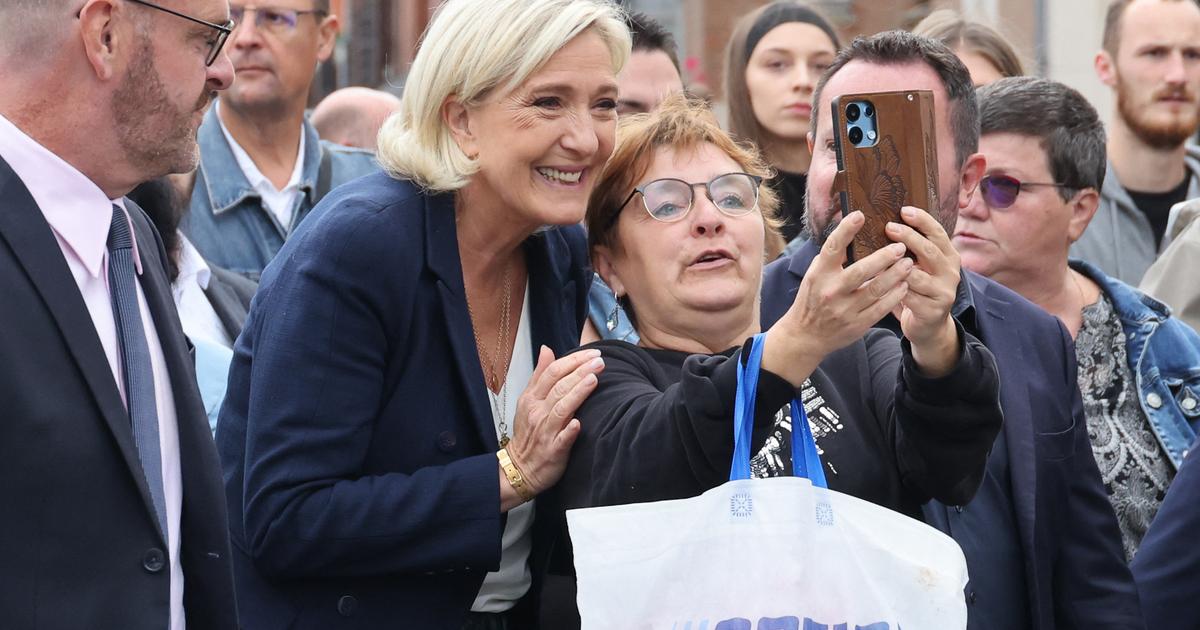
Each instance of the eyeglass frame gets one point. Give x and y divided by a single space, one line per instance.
223 32
1020 187
692 201
259 9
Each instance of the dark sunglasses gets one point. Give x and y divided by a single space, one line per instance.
670 199
1000 191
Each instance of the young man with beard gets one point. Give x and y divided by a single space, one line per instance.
109 482
1041 542
1151 59
262 165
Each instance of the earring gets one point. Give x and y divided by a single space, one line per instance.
611 322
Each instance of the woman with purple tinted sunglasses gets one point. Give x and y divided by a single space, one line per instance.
1139 367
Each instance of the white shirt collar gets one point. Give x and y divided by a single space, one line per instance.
74 206
192 266
251 171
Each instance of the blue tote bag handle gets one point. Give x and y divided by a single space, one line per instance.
805 460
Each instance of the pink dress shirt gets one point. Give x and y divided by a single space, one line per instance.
79 214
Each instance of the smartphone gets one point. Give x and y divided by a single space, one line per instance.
886 159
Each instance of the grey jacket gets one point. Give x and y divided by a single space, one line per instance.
1119 240
1175 277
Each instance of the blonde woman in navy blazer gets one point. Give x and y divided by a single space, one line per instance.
370 474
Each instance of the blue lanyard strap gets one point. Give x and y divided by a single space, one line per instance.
805 460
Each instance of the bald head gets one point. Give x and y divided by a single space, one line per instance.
352 116
114 88
28 28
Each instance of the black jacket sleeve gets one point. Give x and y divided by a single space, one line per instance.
943 428
648 436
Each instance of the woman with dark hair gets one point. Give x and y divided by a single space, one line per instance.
772 63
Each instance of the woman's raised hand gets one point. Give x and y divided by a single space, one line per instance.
835 306
545 427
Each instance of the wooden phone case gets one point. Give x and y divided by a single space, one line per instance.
899 170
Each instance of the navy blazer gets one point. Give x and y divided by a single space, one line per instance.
357 436
1167 564
1075 568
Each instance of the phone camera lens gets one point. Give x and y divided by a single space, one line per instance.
852 112
856 135
868 110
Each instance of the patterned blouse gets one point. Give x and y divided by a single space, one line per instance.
1133 464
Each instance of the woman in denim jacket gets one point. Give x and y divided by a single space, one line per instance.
1164 355
1138 367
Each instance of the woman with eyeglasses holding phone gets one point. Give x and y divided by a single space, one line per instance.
395 404
677 226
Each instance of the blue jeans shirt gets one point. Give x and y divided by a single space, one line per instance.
601 303
227 221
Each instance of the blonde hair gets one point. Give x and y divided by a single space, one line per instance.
959 33
679 123
471 48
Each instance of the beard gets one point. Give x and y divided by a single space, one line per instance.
1158 134
155 136
947 216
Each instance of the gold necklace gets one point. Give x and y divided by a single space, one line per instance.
493 379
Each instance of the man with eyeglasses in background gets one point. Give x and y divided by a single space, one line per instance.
262 164
1139 368
110 491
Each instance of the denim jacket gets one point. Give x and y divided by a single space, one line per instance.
603 309
227 221
1164 355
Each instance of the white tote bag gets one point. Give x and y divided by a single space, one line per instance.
765 554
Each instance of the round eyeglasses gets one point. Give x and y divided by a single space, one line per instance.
669 199
1000 191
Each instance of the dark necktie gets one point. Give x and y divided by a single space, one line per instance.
135 359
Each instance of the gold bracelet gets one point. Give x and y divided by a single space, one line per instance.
515 478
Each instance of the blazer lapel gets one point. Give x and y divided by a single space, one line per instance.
802 259
552 293
24 228
166 318
441 256
190 417
1018 419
